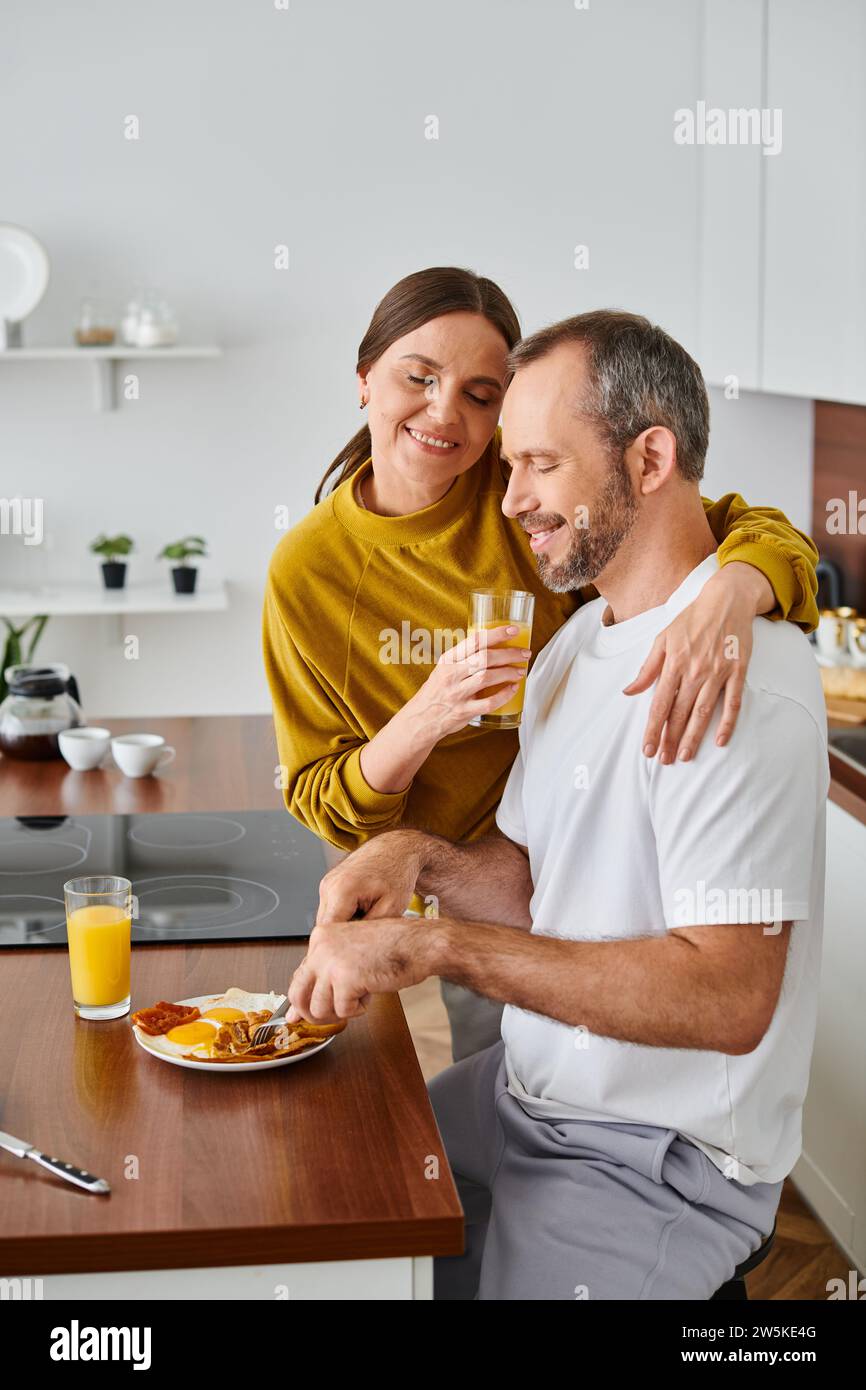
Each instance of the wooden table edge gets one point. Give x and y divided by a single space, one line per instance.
139 1250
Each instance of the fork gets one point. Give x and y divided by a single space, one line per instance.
275 1021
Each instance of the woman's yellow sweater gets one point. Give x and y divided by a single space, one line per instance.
355 603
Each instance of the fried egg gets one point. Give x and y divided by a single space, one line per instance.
194 1038
236 1002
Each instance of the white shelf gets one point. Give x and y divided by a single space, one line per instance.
84 600
104 361
114 350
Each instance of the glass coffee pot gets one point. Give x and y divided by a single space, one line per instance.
42 702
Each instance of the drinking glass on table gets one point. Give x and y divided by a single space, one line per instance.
98 928
490 608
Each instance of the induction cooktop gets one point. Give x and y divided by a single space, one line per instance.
197 876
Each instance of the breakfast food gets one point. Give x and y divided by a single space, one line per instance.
234 1002
163 1016
221 1029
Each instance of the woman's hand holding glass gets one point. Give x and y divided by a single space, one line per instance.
458 688
452 695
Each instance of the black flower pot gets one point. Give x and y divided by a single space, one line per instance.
113 574
184 577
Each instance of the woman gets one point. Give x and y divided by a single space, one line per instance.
374 732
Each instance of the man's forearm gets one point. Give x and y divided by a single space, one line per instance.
658 991
485 880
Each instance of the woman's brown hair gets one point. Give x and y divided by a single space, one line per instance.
413 301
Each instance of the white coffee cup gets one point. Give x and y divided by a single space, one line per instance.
857 642
832 633
85 747
137 755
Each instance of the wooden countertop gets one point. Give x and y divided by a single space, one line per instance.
323 1160
223 763
847 783
848 787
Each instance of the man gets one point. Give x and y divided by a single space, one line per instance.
654 930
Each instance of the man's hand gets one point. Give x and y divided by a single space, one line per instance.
377 880
347 962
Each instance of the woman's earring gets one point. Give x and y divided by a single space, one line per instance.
362 404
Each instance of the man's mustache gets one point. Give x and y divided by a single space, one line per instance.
540 521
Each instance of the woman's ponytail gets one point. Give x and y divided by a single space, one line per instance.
349 459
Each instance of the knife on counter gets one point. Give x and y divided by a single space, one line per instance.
78 1176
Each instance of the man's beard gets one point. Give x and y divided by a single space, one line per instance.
612 516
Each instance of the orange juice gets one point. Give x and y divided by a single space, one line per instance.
514 706
99 948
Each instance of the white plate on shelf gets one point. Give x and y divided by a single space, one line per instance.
226 1068
23 272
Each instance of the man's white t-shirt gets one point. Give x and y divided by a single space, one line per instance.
621 846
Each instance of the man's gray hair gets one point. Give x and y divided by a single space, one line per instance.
639 377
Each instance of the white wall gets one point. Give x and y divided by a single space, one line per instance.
761 446
259 127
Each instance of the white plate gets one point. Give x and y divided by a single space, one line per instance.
229 1067
23 272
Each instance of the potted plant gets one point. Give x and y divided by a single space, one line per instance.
113 570
15 650
184 575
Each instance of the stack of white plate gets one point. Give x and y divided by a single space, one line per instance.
23 278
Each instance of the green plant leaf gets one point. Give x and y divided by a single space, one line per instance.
13 654
109 546
181 550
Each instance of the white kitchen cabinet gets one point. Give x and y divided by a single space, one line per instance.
831 1173
398 1280
730 199
782 290
814 294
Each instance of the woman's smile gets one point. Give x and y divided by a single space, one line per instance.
431 443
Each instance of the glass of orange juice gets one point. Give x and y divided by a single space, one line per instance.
490 608
98 928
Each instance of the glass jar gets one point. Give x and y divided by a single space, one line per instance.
157 326
42 702
94 325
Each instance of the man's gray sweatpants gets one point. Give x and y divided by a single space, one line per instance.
578 1209
476 1022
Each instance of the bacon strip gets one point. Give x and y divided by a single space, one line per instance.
164 1016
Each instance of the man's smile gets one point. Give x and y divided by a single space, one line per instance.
539 536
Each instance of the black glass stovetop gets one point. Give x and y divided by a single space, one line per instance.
198 876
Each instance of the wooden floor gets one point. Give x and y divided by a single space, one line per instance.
803 1257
